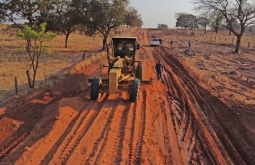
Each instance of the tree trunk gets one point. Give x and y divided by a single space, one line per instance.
238 44
28 46
33 85
229 32
205 29
216 30
66 41
29 79
104 42
31 82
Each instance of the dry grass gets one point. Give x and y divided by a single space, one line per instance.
14 60
214 63
223 37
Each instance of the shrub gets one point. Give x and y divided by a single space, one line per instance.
192 33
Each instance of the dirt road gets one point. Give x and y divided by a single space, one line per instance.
175 121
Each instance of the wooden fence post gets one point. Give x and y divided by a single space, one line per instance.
84 55
16 85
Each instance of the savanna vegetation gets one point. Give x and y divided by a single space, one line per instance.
235 16
37 22
55 63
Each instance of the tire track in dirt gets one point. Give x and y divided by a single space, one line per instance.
122 132
69 140
67 136
100 147
186 119
139 145
111 130
218 130
131 139
8 145
169 150
213 144
86 124
186 125
137 129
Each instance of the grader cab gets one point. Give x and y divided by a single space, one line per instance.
123 70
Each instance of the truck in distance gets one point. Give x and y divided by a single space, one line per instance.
155 42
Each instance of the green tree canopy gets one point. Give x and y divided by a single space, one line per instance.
62 18
216 18
101 15
162 26
133 18
186 20
35 48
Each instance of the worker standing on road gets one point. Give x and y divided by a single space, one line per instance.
172 43
189 42
159 68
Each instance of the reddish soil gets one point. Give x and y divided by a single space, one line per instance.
192 116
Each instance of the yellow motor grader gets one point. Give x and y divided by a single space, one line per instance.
123 70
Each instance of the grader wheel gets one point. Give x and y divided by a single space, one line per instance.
139 71
134 90
95 87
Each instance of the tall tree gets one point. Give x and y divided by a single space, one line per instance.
20 12
241 10
203 20
232 23
62 18
133 18
186 20
180 20
216 18
101 15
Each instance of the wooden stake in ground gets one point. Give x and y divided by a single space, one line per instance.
16 85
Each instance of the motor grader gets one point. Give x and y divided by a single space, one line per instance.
124 71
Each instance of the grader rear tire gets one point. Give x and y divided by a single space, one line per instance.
139 71
134 90
95 87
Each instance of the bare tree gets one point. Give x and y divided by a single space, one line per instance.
234 24
241 10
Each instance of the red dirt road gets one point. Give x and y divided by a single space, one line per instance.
175 121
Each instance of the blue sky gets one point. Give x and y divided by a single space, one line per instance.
161 11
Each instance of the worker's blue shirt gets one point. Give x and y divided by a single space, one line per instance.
159 67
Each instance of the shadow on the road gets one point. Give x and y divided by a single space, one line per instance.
31 112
